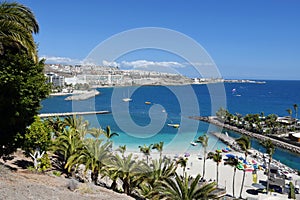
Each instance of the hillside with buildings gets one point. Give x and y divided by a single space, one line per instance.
100 76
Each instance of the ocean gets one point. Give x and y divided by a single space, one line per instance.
138 123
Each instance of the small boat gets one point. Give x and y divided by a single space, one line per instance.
174 125
148 102
194 144
127 99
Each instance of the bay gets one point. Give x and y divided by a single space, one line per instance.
138 123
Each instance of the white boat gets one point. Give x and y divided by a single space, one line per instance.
174 125
194 144
127 99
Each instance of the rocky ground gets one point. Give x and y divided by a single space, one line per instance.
19 183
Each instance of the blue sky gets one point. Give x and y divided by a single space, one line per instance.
246 39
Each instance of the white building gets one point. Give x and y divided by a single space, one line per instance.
56 80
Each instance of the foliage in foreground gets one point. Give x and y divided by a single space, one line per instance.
23 86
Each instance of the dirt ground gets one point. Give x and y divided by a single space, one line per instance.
16 182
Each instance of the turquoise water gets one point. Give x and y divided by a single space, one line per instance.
138 123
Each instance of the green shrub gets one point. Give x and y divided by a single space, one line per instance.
56 173
31 168
292 191
45 163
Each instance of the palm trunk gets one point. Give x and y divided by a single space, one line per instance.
114 185
269 169
94 177
204 160
126 186
233 181
217 173
244 174
242 186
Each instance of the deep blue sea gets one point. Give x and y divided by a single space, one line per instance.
138 123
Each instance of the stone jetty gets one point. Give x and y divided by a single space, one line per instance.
83 96
44 115
214 120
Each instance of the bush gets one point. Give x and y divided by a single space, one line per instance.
56 173
45 163
292 191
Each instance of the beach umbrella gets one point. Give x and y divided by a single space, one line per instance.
258 186
186 154
230 155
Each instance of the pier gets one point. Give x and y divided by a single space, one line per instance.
45 115
276 142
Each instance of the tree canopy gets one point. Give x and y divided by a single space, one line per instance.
17 24
22 82
23 86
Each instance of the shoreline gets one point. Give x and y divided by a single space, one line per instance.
213 120
194 166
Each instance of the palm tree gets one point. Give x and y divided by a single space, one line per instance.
159 147
122 149
233 162
185 188
108 134
204 142
217 157
96 132
296 112
270 149
128 170
66 145
290 112
78 124
245 144
146 151
94 155
56 125
159 170
183 163
17 24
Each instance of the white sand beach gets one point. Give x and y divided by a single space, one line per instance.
195 167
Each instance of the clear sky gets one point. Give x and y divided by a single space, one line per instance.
258 39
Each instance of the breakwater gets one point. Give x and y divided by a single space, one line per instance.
83 96
214 120
44 115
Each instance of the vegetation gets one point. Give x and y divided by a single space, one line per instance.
22 82
146 151
233 162
259 123
184 188
17 25
217 158
270 149
159 147
203 140
292 191
245 144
